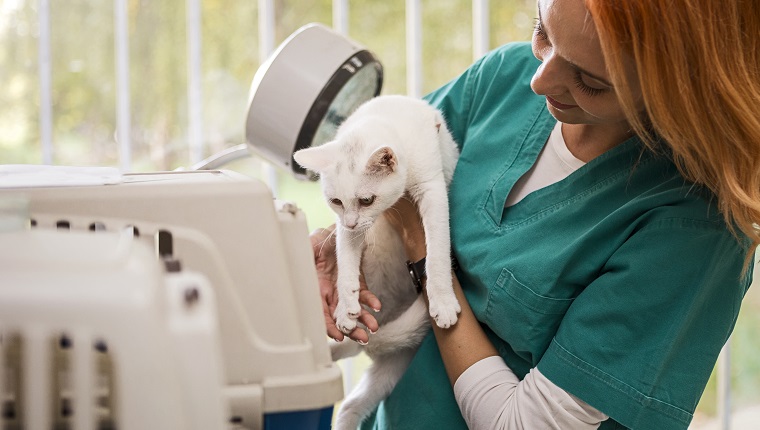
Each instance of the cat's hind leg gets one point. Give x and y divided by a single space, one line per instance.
406 331
346 348
376 384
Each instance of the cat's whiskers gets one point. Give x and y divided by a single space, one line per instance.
370 237
398 214
355 235
322 245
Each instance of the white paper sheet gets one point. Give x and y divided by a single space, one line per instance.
32 175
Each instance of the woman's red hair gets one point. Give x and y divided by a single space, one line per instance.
698 66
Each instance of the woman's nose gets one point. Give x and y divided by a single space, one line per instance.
548 78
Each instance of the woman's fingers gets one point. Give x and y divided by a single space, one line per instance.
323 246
367 297
332 329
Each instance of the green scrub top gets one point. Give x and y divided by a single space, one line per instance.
621 282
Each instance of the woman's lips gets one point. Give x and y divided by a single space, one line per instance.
559 105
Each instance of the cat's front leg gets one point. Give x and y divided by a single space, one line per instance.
348 251
433 205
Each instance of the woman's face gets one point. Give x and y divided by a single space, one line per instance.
573 76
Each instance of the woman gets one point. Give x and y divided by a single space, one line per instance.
602 214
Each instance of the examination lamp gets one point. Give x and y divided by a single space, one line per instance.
301 94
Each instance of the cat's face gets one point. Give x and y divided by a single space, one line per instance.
357 187
360 200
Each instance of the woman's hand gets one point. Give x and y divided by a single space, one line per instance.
405 219
323 246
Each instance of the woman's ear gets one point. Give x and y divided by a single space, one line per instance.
318 158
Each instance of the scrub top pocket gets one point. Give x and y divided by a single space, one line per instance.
523 318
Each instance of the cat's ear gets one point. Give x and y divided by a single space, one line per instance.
317 158
382 162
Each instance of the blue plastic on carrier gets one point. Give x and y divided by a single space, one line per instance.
315 419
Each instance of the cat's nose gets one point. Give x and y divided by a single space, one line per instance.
350 219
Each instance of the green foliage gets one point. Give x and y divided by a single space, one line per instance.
84 72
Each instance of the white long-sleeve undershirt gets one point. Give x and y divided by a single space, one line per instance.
491 396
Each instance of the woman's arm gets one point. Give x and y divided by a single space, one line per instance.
465 343
489 394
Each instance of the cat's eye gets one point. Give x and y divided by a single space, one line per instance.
366 201
336 202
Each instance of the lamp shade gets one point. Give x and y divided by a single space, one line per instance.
306 88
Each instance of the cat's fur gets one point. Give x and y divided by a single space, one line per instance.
390 147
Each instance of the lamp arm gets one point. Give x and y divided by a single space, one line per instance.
222 158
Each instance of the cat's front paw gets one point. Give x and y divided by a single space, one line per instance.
444 309
346 315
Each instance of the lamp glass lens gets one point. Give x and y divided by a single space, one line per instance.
361 87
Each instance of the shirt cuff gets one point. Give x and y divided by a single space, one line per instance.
478 372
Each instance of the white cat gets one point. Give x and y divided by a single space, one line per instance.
389 147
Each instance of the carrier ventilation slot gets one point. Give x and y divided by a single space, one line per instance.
54 381
135 230
163 240
164 244
97 226
93 226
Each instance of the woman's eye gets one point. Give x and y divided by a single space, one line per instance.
587 89
366 201
336 202
538 30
